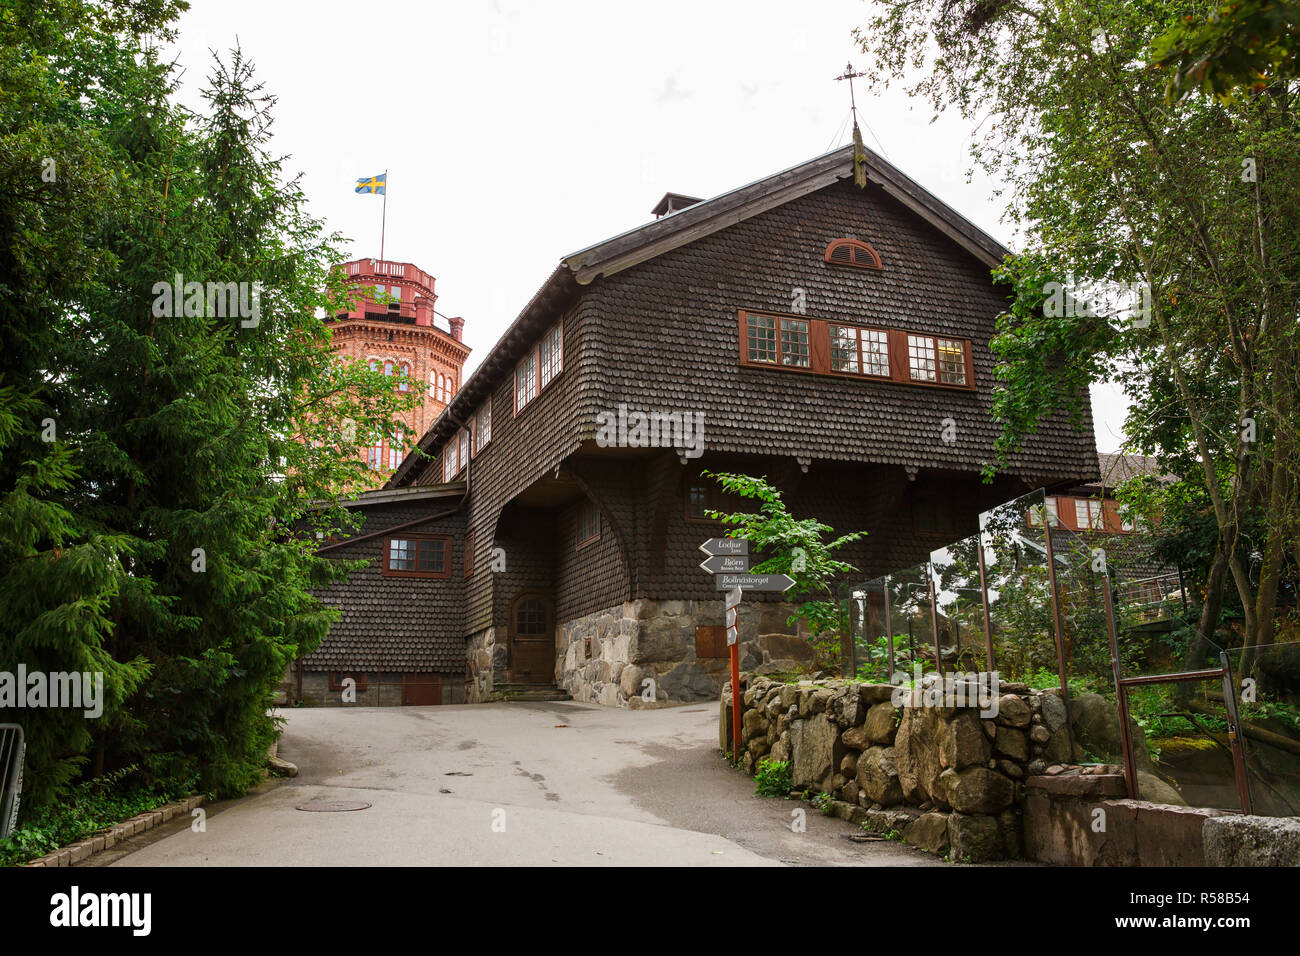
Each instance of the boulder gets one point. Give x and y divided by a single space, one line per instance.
1154 790
1053 711
1039 734
849 709
977 790
975 839
780 750
878 776
929 831
849 764
687 681
872 694
812 749
879 723
963 743
1012 711
1057 748
856 738
1012 743
916 753
629 680
661 639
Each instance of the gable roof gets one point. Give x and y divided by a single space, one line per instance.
686 225
677 229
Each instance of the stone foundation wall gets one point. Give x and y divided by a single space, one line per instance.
487 665
609 656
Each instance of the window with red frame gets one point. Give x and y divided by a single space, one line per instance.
796 343
417 556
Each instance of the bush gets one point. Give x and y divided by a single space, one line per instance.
773 778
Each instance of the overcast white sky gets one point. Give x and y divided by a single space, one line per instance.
516 132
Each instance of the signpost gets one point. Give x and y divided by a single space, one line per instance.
733 646
728 562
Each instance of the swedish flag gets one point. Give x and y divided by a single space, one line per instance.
375 184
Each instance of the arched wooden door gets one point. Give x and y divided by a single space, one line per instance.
532 640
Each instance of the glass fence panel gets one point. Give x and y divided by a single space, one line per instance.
1181 747
959 605
1266 682
1019 591
871 631
907 597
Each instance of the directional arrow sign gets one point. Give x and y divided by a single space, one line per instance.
754 582
732 546
726 563
733 613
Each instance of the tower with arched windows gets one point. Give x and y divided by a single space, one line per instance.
394 327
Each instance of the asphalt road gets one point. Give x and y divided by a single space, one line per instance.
530 784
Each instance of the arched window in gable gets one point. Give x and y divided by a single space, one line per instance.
853 252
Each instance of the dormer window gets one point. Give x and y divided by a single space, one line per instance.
852 252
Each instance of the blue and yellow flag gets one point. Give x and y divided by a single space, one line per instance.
375 184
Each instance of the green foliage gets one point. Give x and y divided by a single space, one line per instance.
796 547
170 432
824 803
772 778
86 808
1242 44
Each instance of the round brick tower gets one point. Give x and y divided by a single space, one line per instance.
398 337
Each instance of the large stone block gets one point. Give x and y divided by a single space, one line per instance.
916 752
879 723
812 751
975 839
877 776
688 681
1251 841
963 743
929 832
977 790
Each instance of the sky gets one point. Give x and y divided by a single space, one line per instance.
514 133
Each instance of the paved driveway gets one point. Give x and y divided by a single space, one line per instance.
508 784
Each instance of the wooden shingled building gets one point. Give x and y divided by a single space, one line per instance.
831 337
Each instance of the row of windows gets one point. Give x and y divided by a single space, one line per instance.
539 367
456 453
1081 514
838 348
441 385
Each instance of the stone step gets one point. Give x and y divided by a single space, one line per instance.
529 692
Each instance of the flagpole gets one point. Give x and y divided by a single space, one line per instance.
383 222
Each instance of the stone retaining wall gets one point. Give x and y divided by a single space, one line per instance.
945 778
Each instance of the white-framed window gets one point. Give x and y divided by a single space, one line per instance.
483 426
375 455
1087 513
551 354
464 448
526 381
395 449
403 385
1036 514
451 460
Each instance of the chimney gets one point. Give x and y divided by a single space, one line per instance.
671 203
457 328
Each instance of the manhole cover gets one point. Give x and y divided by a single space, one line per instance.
333 806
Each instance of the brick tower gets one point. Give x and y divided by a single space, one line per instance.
401 337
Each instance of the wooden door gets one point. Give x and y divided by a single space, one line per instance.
532 640
420 689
